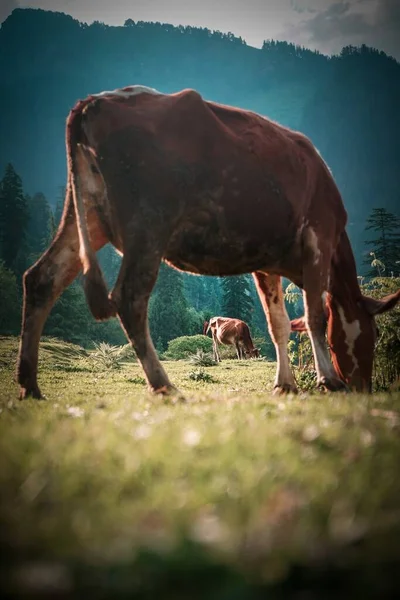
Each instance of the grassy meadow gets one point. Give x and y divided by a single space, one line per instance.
109 492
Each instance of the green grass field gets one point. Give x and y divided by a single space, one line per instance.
109 492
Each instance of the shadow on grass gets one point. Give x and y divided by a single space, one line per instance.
191 572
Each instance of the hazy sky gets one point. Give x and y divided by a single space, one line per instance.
326 25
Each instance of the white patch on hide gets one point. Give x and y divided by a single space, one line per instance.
312 244
280 324
91 184
352 332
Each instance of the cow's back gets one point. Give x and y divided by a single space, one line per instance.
228 189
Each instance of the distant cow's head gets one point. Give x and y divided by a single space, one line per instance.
352 334
254 353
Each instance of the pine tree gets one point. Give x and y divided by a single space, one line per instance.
384 251
10 305
40 225
13 218
259 327
169 310
203 292
213 287
59 206
110 263
195 290
237 301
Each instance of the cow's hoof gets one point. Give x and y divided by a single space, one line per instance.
284 389
170 393
332 385
30 392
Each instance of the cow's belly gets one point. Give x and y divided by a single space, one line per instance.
212 247
224 257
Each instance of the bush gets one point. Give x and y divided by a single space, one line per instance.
201 375
182 347
387 350
306 379
106 356
202 359
302 361
227 352
10 305
127 353
300 351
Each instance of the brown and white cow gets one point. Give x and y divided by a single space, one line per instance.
231 332
210 189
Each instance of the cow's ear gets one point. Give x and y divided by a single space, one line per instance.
298 324
376 307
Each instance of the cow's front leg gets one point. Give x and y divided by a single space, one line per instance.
315 321
315 282
240 351
269 289
131 295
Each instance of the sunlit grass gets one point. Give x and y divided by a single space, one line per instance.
234 479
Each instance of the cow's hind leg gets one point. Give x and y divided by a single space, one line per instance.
269 289
43 283
131 295
216 354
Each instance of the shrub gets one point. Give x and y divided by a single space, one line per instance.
306 379
182 347
227 352
137 380
302 360
106 356
387 350
202 359
201 375
127 353
10 305
300 351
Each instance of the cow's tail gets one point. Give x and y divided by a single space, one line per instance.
205 327
101 306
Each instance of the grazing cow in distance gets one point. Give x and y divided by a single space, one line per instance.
231 332
212 190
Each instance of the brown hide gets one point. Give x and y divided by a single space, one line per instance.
233 332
